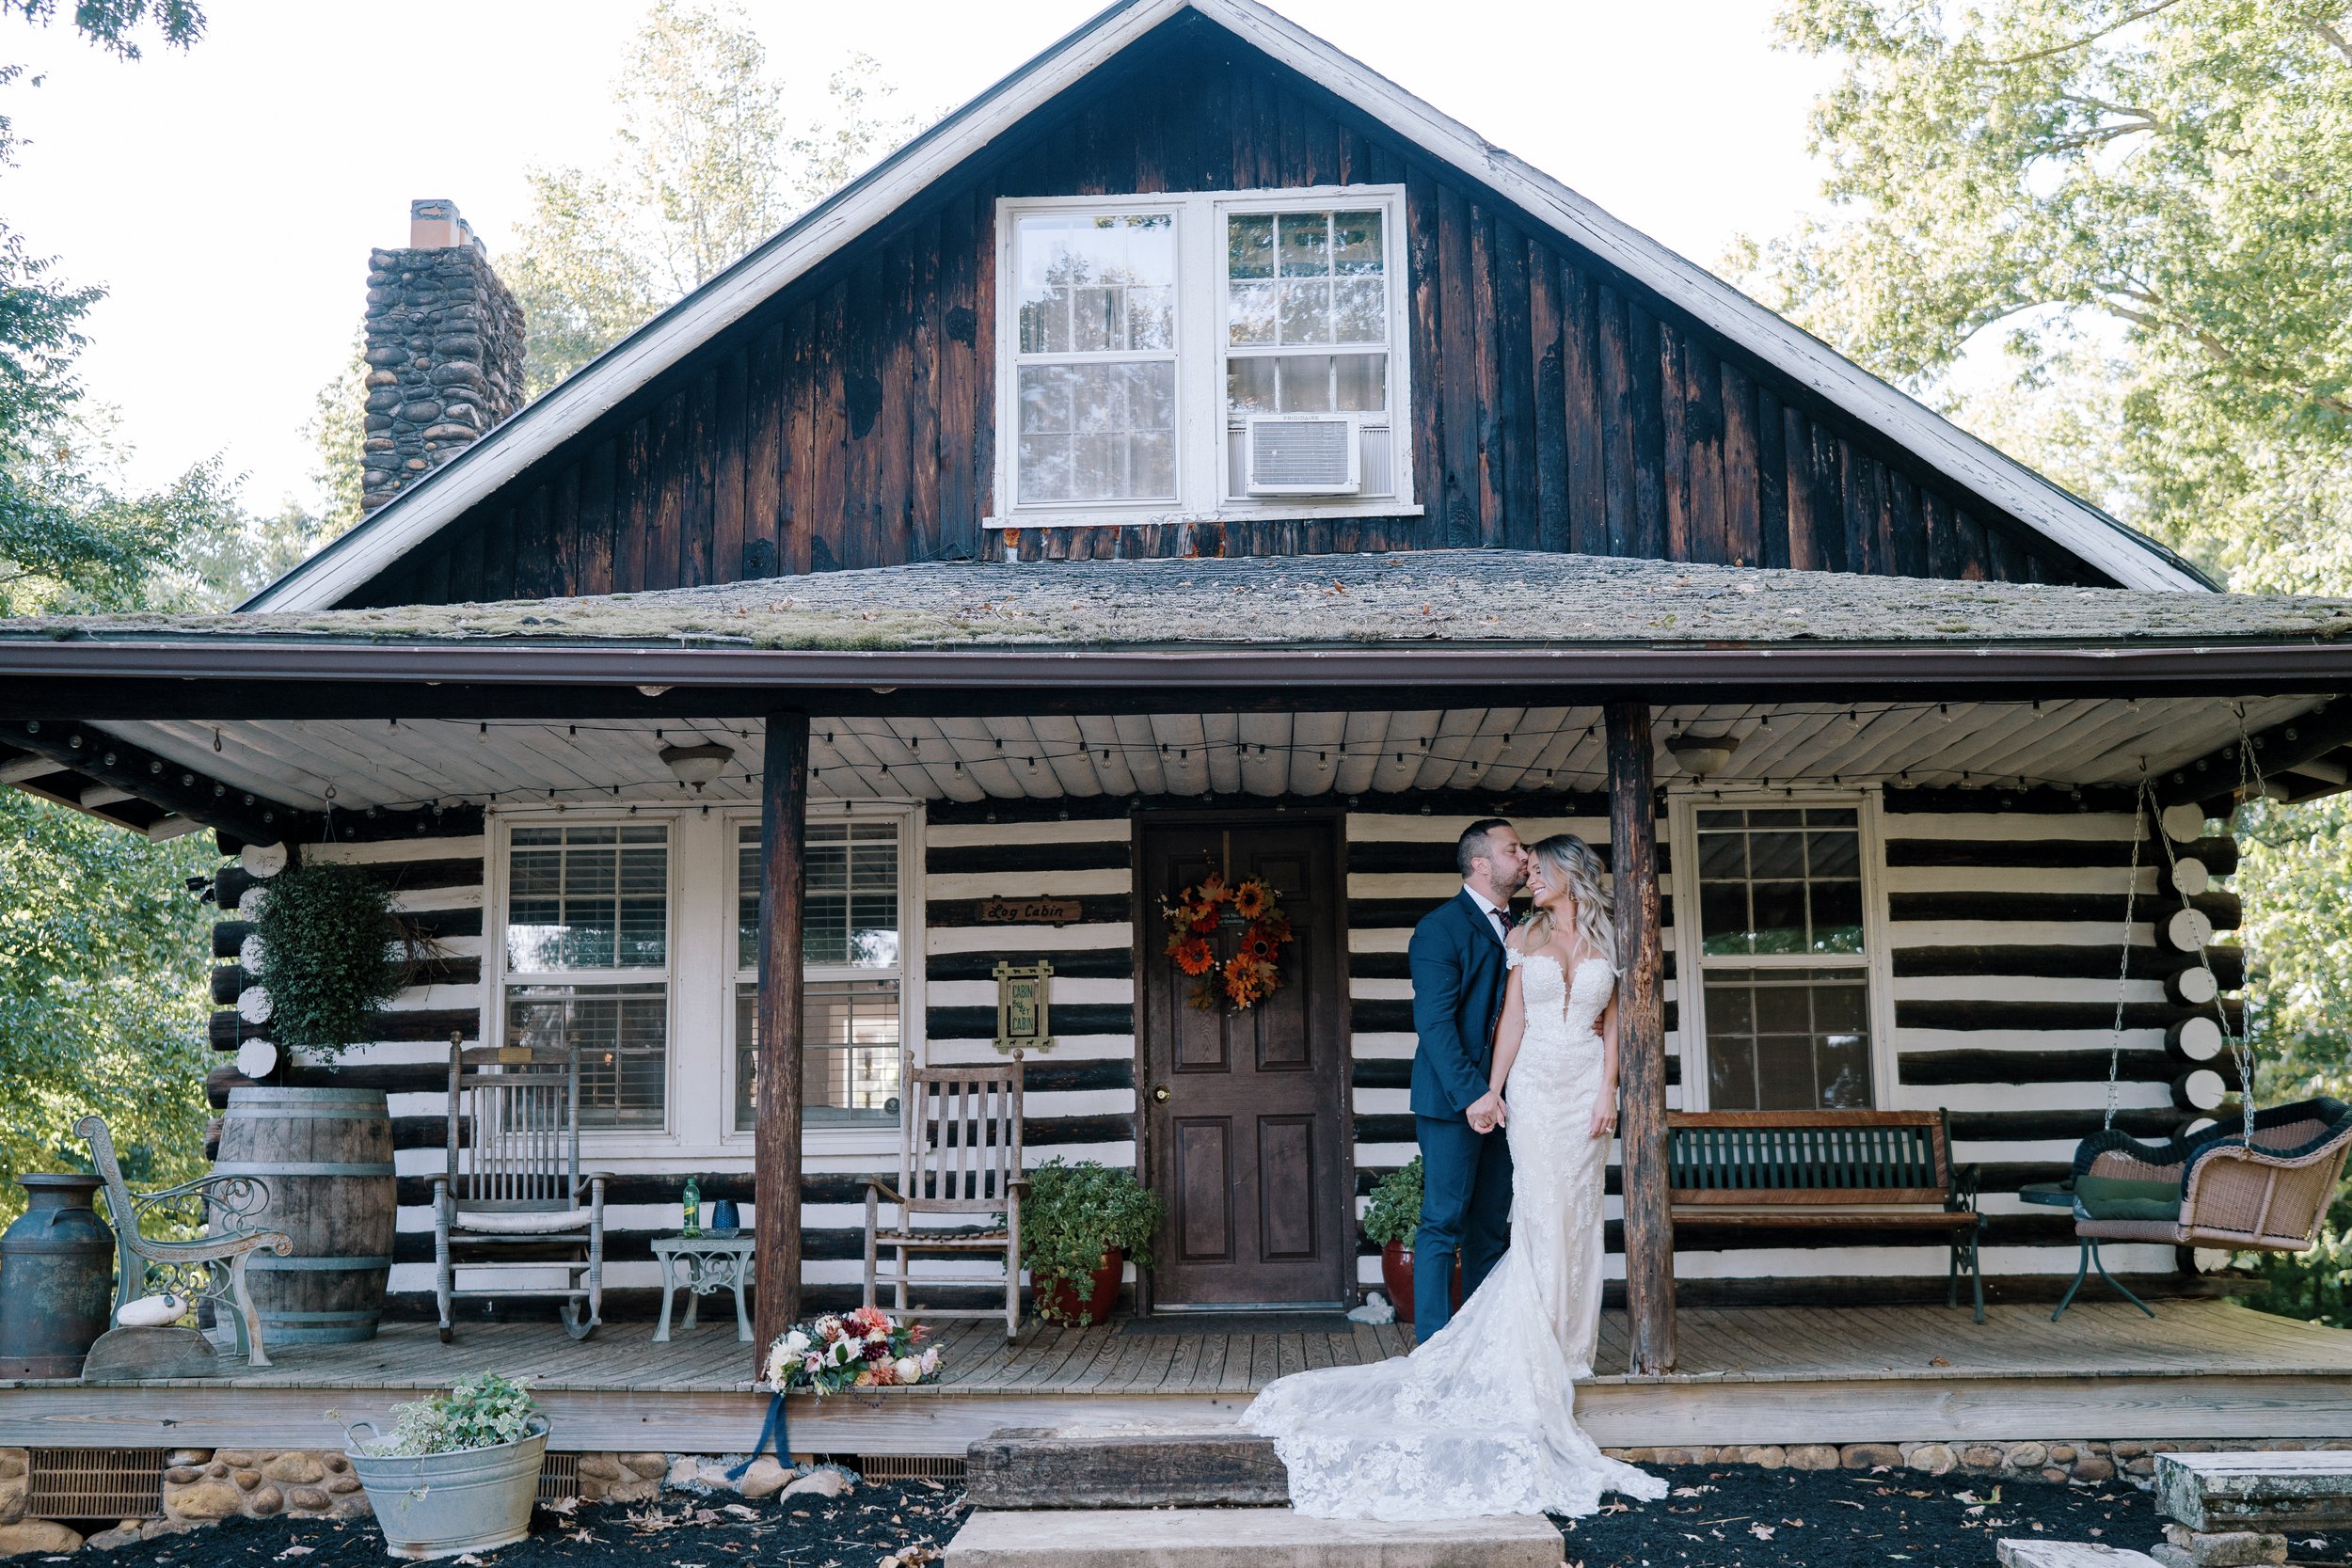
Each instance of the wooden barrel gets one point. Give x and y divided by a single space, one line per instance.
327 1157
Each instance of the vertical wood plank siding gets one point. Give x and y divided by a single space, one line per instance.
2004 910
849 421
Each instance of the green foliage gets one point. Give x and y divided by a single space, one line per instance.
1395 1213
102 1004
1074 1215
2146 205
481 1412
706 163
112 24
328 939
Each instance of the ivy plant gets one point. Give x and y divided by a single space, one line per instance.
481 1412
1395 1213
331 956
1073 1215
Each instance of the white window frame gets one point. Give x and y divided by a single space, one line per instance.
819 1138
1201 479
1875 962
498 976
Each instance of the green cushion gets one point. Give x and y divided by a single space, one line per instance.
2119 1197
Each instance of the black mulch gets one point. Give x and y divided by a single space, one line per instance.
911 1522
1719 1517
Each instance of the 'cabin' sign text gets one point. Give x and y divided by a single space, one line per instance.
1029 911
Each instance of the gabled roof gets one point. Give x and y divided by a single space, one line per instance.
2130 557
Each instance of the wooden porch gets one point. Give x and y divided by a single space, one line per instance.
2202 1370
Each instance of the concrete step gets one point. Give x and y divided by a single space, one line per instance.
2298 1489
1125 1467
1245 1537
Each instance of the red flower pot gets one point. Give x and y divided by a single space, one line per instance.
1065 1305
1396 1272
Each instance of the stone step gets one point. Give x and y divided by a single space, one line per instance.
2070 1554
1123 1466
2296 1489
1245 1537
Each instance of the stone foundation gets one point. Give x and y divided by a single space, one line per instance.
2083 1460
203 1486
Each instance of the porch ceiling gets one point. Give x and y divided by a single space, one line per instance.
1505 750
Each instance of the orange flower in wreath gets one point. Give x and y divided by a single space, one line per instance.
1192 955
1252 899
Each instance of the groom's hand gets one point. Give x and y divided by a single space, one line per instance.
1487 1112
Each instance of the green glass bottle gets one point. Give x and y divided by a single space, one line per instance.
693 1207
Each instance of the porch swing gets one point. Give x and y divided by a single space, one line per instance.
2262 1188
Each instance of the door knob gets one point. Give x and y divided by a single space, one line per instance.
1160 1093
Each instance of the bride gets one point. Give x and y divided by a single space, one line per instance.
1481 1418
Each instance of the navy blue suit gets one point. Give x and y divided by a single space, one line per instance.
1458 981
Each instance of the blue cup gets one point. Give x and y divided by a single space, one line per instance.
723 1215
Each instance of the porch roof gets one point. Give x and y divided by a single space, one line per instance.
1468 597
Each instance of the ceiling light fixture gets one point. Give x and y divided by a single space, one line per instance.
1702 754
697 764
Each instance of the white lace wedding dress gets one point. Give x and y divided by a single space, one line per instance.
1481 1419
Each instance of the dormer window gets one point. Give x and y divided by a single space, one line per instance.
1217 356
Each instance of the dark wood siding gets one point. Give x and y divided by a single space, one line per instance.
1556 404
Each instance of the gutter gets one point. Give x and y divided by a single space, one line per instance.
158 679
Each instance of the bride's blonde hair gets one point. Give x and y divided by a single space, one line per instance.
1569 862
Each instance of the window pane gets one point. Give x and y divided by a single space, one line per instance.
1304 311
1249 385
850 910
1783 879
587 898
1787 1040
1306 383
1305 244
1355 243
1360 382
1091 282
850 1054
1360 311
1249 247
623 1035
1249 313
1098 432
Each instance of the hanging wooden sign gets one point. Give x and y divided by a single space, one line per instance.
1023 1005
1030 912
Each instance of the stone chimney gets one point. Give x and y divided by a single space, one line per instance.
444 351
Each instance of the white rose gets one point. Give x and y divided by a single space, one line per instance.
908 1369
795 1345
843 1352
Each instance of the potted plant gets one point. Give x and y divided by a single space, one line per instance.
326 952
458 1472
1079 1223
1391 1219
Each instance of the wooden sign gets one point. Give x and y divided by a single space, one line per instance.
1023 1005
1030 912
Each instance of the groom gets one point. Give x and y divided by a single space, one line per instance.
1457 969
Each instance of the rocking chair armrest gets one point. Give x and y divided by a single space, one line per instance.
877 1187
1967 1184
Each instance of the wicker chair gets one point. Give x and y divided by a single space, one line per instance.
208 1269
2268 1196
959 1166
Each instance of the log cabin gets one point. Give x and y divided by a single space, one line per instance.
1199 453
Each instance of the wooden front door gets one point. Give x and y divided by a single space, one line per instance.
1245 1128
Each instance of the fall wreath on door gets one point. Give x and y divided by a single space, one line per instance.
1254 972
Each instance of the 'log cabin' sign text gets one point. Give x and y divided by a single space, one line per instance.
1030 912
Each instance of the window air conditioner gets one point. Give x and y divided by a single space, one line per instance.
1303 454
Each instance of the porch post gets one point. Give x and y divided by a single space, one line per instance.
1649 1235
783 880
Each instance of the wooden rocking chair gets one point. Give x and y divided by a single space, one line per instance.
959 1167
2267 1194
209 1267
510 1200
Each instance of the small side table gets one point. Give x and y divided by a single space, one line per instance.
703 1264
2060 1195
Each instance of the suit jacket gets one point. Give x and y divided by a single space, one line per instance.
1458 982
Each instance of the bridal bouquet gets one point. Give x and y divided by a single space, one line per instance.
859 1349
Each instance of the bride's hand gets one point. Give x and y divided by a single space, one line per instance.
1604 1116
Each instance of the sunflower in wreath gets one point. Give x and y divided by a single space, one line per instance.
1253 971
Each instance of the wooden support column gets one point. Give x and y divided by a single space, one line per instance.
1649 1232
783 883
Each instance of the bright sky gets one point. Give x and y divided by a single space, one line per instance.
227 197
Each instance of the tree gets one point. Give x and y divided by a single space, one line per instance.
2146 201
707 163
2145 206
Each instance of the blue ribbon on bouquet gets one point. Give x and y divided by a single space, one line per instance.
772 1433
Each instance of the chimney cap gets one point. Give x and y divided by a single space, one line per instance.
434 224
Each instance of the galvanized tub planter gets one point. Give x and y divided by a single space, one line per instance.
441 1504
